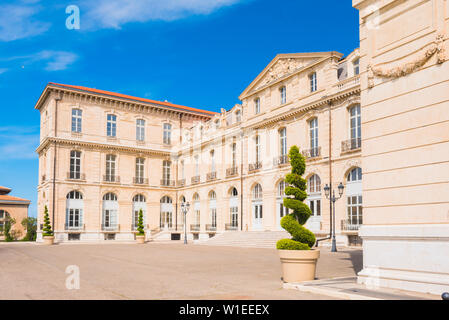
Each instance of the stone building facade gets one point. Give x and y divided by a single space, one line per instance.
12 207
104 156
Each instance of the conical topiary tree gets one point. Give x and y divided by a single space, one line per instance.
47 226
302 239
140 225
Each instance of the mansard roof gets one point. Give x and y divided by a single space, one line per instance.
169 105
285 65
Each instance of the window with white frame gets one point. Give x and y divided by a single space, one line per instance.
313 82
234 207
354 196
111 126
76 120
167 133
258 148
182 170
74 210
166 171
213 208
234 155
75 165
197 208
139 203
110 211
257 106
313 131
355 123
314 194
212 160
283 141
356 64
140 170
140 130
110 167
283 93
197 165
257 192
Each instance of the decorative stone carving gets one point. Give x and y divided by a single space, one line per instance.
281 69
424 55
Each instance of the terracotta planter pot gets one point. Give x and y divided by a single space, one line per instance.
298 265
140 239
49 240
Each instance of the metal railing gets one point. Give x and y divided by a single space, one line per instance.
195 227
211 227
140 180
211 176
79 227
231 226
281 160
351 145
255 166
110 227
233 171
350 225
181 183
110 178
76 176
167 183
312 153
196 179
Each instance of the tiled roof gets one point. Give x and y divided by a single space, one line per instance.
124 96
4 190
11 198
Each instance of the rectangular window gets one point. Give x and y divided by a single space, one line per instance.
313 127
355 210
140 168
234 216
166 171
212 160
313 82
110 167
76 120
283 91
257 106
234 155
197 165
214 217
355 123
140 130
356 67
167 133
283 141
258 155
75 165
182 170
111 126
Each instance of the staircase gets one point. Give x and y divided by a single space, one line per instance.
248 239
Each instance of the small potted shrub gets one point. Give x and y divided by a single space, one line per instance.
298 259
47 232
140 236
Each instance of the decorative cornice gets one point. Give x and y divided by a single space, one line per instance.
101 146
424 55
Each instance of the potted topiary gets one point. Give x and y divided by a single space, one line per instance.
48 233
140 236
298 259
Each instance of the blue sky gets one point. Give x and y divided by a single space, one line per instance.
199 53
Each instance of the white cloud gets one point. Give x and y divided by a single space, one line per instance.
3 70
16 22
56 60
18 143
53 60
115 13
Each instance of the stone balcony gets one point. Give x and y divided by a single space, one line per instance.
252 167
313 153
351 145
167 183
281 161
140 181
231 172
211 176
76 176
111 179
196 179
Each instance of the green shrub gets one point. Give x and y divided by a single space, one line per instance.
302 239
140 226
30 225
47 226
10 235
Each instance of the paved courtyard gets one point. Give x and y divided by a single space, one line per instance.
155 271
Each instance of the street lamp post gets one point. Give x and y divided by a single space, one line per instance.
333 199
185 208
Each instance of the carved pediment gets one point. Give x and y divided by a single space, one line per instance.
283 67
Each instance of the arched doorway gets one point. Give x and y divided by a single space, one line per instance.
257 205
233 210
74 211
314 202
139 202
281 210
166 220
110 212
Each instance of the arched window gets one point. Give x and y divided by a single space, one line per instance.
257 192
355 175
234 208
314 184
139 203
234 192
110 212
166 220
182 199
281 188
77 116
314 200
238 116
74 210
354 198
